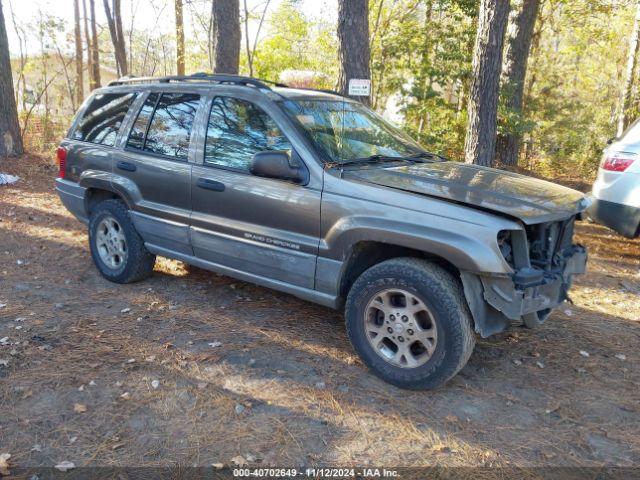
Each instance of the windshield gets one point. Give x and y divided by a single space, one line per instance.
348 131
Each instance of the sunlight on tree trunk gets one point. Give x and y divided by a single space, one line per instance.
632 60
10 139
87 40
514 71
95 51
79 57
114 20
354 49
225 16
483 98
179 38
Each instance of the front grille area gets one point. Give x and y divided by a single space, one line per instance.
548 243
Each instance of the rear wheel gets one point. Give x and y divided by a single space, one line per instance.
116 247
409 321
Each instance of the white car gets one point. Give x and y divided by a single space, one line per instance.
616 191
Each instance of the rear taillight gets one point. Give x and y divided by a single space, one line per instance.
617 162
61 156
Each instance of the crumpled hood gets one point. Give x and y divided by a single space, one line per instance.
528 199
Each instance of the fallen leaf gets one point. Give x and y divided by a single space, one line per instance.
239 460
116 446
4 464
125 396
584 353
155 384
79 408
64 466
218 465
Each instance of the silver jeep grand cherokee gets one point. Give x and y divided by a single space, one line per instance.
313 194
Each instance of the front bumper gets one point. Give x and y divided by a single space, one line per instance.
72 197
624 219
514 302
496 301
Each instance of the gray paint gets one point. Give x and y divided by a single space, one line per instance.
298 238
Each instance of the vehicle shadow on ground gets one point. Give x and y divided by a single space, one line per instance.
524 396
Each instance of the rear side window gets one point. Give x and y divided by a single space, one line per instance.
164 124
102 119
139 130
237 130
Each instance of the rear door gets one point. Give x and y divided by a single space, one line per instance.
154 170
264 227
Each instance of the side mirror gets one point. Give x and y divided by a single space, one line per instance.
275 164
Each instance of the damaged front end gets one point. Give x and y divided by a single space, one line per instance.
543 259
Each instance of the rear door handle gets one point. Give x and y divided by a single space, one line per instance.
129 167
209 184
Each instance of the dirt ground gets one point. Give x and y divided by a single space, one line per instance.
243 371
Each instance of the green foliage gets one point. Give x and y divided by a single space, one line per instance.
294 42
574 81
423 51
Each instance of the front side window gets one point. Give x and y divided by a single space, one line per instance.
348 131
102 119
237 130
167 129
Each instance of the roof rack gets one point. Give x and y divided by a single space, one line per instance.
199 77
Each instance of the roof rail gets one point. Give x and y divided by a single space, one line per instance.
324 90
199 77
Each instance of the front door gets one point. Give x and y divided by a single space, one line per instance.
154 169
264 227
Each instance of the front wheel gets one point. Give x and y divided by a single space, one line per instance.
116 247
409 321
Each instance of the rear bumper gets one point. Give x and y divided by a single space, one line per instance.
72 197
623 219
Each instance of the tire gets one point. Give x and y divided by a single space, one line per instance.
434 352
134 263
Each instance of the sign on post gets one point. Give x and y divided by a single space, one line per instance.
359 87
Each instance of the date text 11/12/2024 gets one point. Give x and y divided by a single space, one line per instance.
315 472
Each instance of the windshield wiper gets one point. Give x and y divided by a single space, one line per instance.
373 159
426 155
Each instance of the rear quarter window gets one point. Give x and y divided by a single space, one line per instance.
103 117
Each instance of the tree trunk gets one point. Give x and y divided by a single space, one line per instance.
179 38
514 72
95 51
114 20
354 49
10 139
79 57
87 40
625 95
225 17
480 142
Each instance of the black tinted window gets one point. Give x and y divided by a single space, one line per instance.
139 130
171 124
237 130
102 119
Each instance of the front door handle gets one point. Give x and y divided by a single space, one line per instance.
209 184
129 167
